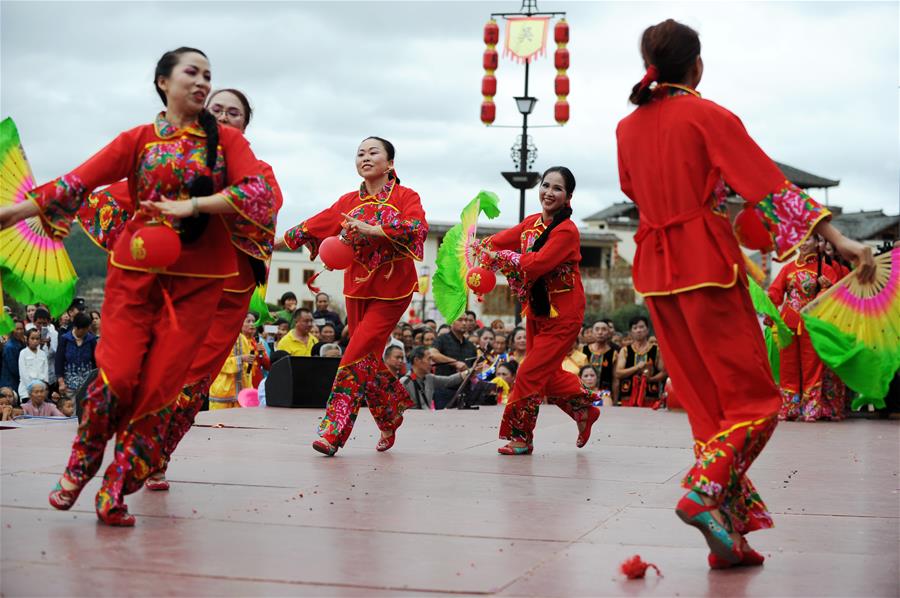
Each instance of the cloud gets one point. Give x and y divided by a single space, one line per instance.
815 83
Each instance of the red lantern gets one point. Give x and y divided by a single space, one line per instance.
488 112
481 280
489 85
751 232
561 32
562 85
155 246
335 253
491 33
561 112
490 60
561 59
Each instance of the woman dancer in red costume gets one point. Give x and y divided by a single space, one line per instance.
539 258
385 224
190 173
803 393
677 153
231 108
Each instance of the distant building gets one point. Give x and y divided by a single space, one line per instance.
606 285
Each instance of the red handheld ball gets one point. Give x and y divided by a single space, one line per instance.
336 254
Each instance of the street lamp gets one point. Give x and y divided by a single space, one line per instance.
525 104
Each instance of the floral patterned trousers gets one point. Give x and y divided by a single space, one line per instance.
362 373
139 447
520 417
725 385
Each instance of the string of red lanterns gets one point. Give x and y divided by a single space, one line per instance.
490 62
561 61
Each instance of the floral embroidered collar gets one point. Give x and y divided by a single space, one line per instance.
382 195
166 130
539 223
805 259
673 89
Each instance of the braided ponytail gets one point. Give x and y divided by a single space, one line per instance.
539 296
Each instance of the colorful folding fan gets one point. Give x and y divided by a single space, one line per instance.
6 322
778 335
456 256
34 267
855 329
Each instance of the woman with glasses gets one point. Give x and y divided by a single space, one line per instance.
186 172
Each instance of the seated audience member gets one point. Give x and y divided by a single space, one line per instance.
452 352
421 383
67 407
33 363
428 338
323 315
589 378
471 321
95 322
9 364
417 336
395 360
288 304
430 323
575 359
300 340
330 350
327 335
37 404
519 344
498 327
8 404
504 380
406 338
75 355
443 329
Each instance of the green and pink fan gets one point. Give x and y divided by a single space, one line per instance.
34 267
457 271
855 329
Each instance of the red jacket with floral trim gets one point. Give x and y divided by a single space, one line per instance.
674 153
383 267
160 162
557 262
106 212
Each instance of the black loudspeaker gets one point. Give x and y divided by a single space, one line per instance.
301 381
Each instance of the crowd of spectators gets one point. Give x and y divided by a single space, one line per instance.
462 363
44 361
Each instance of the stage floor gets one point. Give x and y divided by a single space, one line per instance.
253 510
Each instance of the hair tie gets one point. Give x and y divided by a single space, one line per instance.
649 77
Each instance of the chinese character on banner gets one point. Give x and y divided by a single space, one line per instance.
526 37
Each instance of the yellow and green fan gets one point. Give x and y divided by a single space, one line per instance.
855 329
456 256
34 267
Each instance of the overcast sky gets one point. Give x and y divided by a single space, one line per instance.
816 84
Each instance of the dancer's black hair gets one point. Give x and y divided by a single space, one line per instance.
192 228
539 299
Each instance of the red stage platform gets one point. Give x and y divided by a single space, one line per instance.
253 510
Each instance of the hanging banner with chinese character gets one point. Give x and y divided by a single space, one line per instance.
526 37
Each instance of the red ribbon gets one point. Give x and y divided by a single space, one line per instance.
650 76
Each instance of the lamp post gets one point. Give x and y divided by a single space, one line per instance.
526 35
